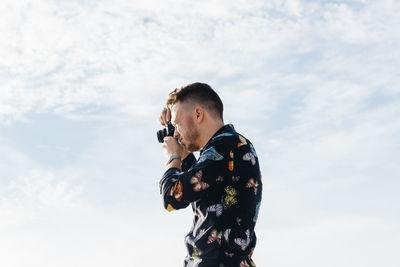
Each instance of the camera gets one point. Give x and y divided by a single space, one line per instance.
169 131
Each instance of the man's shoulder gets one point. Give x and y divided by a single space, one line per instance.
225 139
229 138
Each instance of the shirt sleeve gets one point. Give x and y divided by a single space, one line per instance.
179 189
188 162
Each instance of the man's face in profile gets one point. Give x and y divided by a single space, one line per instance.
186 130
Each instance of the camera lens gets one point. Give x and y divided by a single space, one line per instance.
161 134
169 131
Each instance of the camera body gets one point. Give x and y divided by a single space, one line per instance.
169 131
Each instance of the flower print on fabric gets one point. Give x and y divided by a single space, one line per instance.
226 234
251 156
217 208
214 236
252 184
198 184
197 253
224 188
242 141
230 165
230 198
211 154
176 191
243 242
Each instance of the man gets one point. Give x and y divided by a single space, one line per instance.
223 185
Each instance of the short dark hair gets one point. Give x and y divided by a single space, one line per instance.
200 93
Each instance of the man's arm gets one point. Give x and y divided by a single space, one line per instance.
182 165
175 163
205 176
188 162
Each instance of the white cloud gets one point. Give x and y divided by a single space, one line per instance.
329 145
339 241
313 84
42 187
123 50
36 192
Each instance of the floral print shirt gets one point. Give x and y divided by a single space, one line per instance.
224 188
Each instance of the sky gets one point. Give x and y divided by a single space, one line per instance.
313 84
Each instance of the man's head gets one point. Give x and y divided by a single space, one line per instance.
196 111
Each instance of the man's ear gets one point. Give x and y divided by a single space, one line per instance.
199 113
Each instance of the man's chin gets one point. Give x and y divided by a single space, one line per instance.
192 148
187 148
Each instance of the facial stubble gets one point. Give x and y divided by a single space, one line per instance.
192 137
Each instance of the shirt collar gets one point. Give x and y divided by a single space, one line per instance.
227 128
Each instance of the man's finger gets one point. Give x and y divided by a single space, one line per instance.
167 139
162 117
168 115
162 121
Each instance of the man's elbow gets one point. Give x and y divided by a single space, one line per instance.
168 207
171 205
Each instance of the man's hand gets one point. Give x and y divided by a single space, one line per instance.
165 116
172 147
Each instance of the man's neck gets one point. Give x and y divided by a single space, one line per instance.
209 132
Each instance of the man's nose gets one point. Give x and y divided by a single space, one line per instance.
176 134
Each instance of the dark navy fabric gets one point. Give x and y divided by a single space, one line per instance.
224 188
